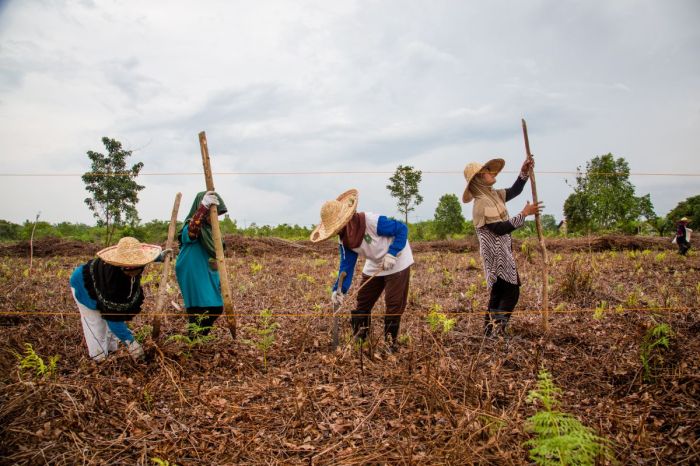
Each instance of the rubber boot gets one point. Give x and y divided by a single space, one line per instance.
360 324
489 322
391 329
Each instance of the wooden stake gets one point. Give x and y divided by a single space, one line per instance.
166 267
540 236
216 236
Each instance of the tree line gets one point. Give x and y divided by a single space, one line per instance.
603 201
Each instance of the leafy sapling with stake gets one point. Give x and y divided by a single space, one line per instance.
384 244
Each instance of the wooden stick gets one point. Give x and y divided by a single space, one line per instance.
166 267
216 236
540 236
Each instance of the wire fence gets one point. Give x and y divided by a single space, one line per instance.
341 172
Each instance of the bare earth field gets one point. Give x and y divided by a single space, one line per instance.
453 398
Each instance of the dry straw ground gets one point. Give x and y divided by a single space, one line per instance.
442 399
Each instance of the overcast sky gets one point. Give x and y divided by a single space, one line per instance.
342 86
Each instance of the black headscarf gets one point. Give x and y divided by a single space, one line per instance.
119 297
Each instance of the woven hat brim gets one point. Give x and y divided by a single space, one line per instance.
146 254
322 232
494 164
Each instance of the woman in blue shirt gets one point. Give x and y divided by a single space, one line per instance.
108 293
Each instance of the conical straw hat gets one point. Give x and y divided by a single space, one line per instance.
473 168
129 252
335 215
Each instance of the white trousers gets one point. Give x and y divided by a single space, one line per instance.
99 338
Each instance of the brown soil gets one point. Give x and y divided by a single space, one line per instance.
442 399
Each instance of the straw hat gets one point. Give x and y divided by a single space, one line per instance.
685 219
129 252
335 215
470 171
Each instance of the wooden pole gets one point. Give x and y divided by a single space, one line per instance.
540 236
216 235
166 267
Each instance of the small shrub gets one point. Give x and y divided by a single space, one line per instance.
33 362
472 265
263 334
255 268
303 277
196 334
438 321
576 282
599 312
560 438
143 332
660 257
656 340
447 278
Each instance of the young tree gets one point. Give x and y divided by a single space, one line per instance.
404 187
603 197
113 187
448 216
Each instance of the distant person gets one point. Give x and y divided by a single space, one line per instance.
683 236
108 293
493 227
384 244
196 267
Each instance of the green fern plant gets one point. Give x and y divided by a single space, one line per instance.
655 341
143 332
33 362
161 462
560 438
263 334
438 321
197 334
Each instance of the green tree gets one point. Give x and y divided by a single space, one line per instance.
404 187
113 187
689 208
448 216
603 198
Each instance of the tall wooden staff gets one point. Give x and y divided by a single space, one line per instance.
166 267
540 236
216 235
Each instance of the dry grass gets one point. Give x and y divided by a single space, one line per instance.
456 399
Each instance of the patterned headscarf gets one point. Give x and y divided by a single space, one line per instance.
489 204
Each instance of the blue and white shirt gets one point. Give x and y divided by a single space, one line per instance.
382 236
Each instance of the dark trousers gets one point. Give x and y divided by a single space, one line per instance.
204 317
504 297
395 288
683 245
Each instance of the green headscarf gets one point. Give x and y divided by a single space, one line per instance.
205 236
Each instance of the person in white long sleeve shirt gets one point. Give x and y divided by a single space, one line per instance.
383 242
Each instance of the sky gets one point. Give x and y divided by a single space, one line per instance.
342 86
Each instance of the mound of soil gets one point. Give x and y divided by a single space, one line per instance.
259 246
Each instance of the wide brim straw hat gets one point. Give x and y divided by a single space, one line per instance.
685 219
473 168
335 215
130 252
